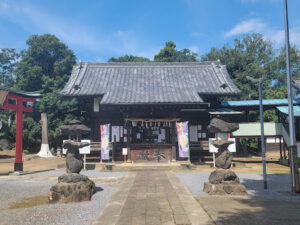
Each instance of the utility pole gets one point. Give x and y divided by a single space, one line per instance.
293 158
262 131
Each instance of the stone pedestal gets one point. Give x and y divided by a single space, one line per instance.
72 187
224 182
224 189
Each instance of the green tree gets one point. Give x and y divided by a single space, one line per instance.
251 56
46 66
46 56
8 59
129 58
169 53
281 65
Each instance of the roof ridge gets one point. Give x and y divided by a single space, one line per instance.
151 64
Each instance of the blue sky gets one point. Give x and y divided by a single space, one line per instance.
99 29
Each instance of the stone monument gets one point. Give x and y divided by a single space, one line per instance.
72 186
45 151
223 181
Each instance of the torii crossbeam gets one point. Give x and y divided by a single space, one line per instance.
17 100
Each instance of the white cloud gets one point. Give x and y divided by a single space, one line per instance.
277 36
4 5
247 26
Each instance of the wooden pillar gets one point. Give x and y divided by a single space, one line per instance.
92 124
284 150
247 115
280 148
19 137
173 136
114 145
129 131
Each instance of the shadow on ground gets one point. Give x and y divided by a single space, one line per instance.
274 206
98 189
231 211
6 156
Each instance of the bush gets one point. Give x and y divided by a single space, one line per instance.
25 151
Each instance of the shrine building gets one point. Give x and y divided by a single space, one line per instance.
143 101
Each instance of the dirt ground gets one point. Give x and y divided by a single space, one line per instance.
34 163
31 162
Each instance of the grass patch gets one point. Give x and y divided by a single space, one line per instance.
30 202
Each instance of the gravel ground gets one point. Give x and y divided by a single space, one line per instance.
278 185
71 213
89 173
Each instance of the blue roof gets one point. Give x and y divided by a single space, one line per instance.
270 102
223 111
285 110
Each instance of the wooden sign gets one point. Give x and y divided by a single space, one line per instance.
124 151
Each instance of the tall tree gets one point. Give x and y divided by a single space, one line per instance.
251 56
129 58
46 56
8 59
46 66
169 53
281 65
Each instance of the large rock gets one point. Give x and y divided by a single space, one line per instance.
74 128
74 161
224 189
220 126
72 178
72 188
223 176
222 144
224 160
224 182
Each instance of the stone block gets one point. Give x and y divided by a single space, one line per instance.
224 189
223 176
72 192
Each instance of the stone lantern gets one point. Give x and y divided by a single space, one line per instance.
223 181
72 186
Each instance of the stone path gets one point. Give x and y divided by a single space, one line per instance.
153 197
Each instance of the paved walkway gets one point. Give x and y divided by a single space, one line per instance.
153 197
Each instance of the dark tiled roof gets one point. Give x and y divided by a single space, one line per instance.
150 83
296 84
33 94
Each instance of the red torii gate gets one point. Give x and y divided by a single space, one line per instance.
16 100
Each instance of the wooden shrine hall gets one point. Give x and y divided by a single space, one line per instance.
143 101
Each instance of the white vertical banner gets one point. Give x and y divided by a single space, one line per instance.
115 133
